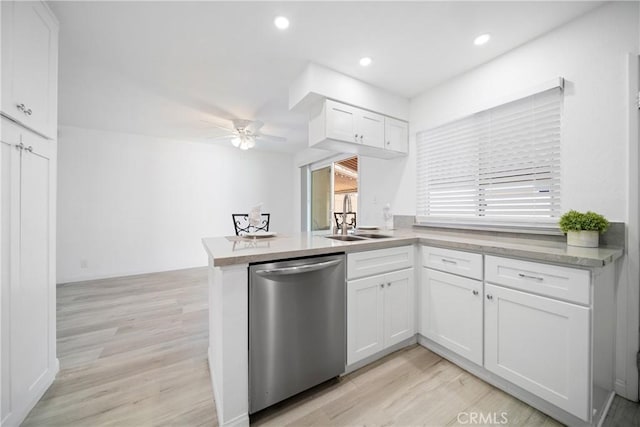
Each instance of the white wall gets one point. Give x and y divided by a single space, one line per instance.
132 204
591 53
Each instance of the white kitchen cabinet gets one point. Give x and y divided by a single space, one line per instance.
566 283
399 323
396 135
341 122
345 128
29 362
369 263
30 66
370 129
379 313
365 317
451 312
541 345
467 264
352 124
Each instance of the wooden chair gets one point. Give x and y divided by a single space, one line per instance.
242 226
339 217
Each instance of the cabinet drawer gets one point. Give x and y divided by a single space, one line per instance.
362 264
570 284
457 262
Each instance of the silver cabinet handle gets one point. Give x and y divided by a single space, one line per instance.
28 112
382 285
20 146
388 142
489 297
361 138
21 107
526 276
448 261
356 136
29 149
388 284
475 292
299 268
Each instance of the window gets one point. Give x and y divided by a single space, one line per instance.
501 165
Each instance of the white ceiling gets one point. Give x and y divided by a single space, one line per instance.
160 68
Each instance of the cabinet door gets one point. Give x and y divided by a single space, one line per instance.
33 293
399 300
365 311
9 171
396 134
541 345
451 313
341 121
30 65
370 127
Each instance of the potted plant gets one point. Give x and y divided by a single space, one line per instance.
583 229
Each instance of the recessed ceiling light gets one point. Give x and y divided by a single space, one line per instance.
281 22
481 39
366 61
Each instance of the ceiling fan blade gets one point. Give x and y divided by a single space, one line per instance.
272 138
254 127
216 125
221 138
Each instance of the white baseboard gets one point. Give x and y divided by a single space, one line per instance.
239 421
15 418
605 411
620 386
506 386
367 360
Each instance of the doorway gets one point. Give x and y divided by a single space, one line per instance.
331 184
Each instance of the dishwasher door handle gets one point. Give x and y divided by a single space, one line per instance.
298 268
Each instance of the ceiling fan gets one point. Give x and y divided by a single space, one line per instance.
244 133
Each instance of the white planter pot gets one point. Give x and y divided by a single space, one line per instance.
583 239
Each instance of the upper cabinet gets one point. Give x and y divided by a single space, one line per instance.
341 127
30 66
396 135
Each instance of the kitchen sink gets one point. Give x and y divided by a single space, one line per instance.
345 238
373 236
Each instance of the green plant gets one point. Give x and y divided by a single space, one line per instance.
578 221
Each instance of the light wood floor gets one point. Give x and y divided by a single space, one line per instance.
133 353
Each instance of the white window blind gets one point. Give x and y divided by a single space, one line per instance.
502 164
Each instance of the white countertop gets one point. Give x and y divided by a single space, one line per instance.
225 252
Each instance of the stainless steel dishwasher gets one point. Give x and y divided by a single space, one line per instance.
297 326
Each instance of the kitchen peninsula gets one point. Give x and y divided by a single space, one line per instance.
566 291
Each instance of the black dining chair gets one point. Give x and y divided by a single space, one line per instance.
242 225
340 217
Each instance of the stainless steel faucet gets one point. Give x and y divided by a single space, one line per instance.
346 207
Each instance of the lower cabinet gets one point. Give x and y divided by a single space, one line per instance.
539 344
544 328
452 312
380 313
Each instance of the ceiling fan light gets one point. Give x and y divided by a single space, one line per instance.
482 39
236 142
281 22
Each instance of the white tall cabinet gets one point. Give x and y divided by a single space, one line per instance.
27 215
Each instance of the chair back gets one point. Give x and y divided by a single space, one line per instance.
340 217
242 225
